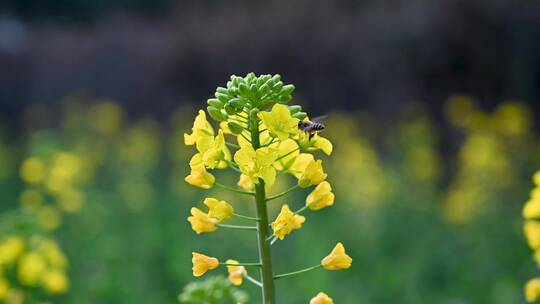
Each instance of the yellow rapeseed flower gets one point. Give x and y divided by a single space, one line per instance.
316 142
201 130
532 290
313 175
33 170
4 288
287 150
532 233
55 281
236 273
216 153
203 263
300 164
10 249
320 197
31 267
531 209
337 259
220 210
49 217
536 178
279 121
286 222
321 298
14 296
198 176
52 253
245 183
30 199
201 222
257 164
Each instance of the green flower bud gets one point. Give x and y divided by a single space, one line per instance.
235 127
277 87
229 109
222 97
295 109
300 115
276 78
222 90
215 103
285 98
216 114
264 89
237 104
243 89
287 90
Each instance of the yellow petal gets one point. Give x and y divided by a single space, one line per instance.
320 197
531 209
337 259
201 222
321 298
203 263
279 121
199 177
236 273
220 210
286 222
313 175
532 233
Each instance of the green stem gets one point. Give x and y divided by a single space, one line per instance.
241 264
232 145
246 217
287 154
233 190
267 280
282 193
252 280
233 166
301 210
297 272
237 227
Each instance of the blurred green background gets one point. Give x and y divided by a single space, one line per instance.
432 109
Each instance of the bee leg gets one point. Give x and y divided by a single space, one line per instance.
311 135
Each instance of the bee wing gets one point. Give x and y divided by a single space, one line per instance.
319 119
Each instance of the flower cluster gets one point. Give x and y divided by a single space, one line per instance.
531 228
36 262
258 137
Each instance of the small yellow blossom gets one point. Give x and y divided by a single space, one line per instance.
4 288
54 256
531 209
536 178
532 233
313 175
33 170
201 130
321 298
225 127
300 164
316 142
257 164
320 197
220 210
279 121
30 199
236 273
286 222
245 183
10 249
31 267
337 259
55 281
287 150
535 193
215 154
203 263
49 217
198 176
14 296
532 290
201 222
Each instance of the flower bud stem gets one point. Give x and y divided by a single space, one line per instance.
252 280
241 264
296 272
237 227
246 217
282 193
233 190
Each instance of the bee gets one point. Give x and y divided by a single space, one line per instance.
312 127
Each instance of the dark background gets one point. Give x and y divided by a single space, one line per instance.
373 55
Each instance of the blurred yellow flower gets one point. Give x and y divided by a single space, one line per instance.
201 131
52 253
31 199
219 210
536 178
10 249
532 290
105 117
33 170
313 175
4 288
245 183
279 121
531 209
257 164
31 267
536 257
320 197
201 222
286 222
203 263
14 296
532 233
337 259
55 281
236 273
49 217
321 298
